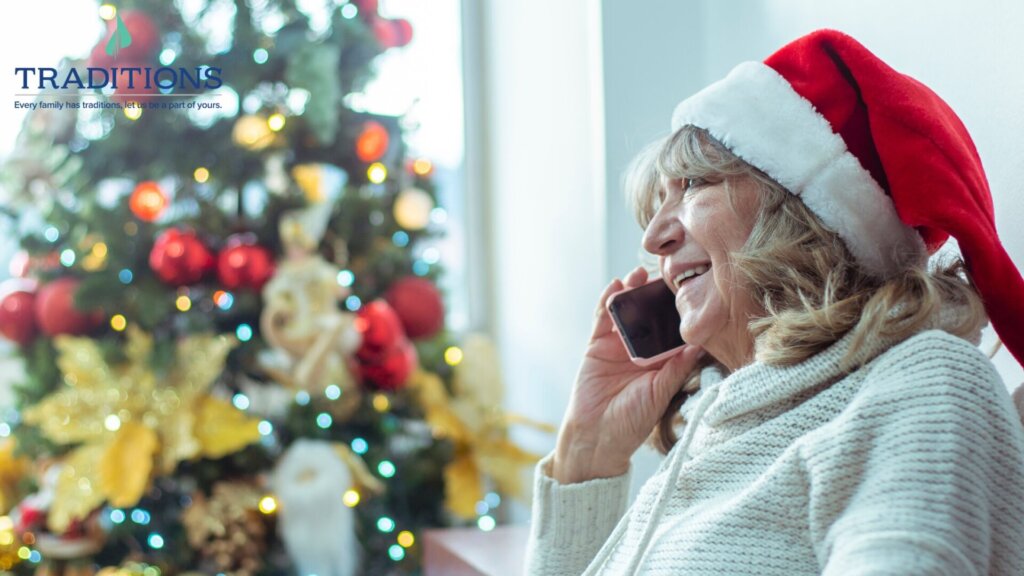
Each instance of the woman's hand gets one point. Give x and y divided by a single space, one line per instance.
615 404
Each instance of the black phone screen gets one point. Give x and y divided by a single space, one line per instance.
648 320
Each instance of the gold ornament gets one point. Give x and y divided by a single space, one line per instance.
12 470
412 209
130 422
472 419
252 132
310 339
227 528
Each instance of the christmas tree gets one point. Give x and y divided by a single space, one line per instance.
234 362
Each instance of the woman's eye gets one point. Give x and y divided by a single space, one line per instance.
693 183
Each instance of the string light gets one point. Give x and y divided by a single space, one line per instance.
201 174
385 524
223 299
406 539
132 111
156 541
400 238
350 498
324 420
125 276
349 11
108 11
386 468
302 397
422 166
276 122
112 423
67 257
244 332
381 402
117 516
353 303
183 303
346 278
268 505
360 446
493 500
377 173
265 428
486 523
118 322
260 56
241 401
332 392
396 552
453 355
140 516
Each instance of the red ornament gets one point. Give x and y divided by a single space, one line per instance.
372 142
132 85
56 312
385 33
380 327
418 304
366 7
180 258
18 317
148 201
403 32
244 265
392 369
145 41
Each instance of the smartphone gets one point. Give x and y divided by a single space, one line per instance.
647 321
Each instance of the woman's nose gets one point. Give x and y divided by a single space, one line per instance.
663 234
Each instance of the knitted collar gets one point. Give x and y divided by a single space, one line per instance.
759 385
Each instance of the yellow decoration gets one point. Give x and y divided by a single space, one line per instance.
163 419
360 473
310 178
222 429
126 464
412 209
252 133
472 419
12 470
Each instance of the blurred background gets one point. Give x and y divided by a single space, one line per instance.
428 190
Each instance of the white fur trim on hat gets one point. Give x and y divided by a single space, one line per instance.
757 115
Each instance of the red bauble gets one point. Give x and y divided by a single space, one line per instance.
145 41
244 265
179 258
418 304
372 142
380 327
392 369
18 317
56 312
366 7
403 32
385 32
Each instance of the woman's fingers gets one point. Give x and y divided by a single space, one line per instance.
603 320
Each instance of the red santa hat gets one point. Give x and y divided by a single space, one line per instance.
875 154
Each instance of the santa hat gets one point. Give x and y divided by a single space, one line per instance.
875 154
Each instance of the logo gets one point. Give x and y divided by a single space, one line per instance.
119 38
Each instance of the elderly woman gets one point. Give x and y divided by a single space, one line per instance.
839 417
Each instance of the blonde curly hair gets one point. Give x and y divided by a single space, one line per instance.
807 282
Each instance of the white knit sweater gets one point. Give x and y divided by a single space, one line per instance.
911 465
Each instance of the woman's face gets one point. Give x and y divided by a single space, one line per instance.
694 230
